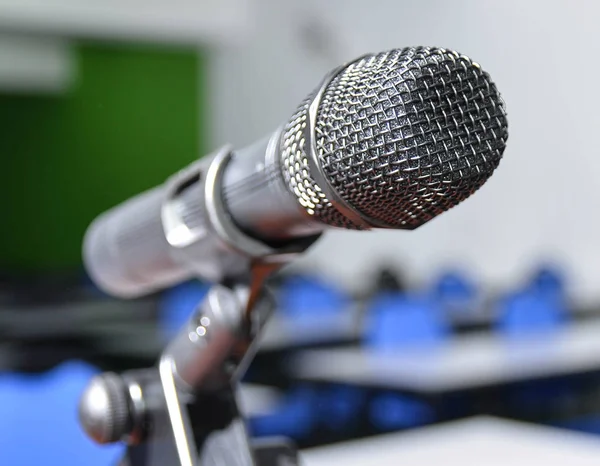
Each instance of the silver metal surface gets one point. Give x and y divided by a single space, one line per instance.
125 250
180 423
193 243
257 198
200 349
204 240
400 136
220 219
104 410
181 211
140 404
184 229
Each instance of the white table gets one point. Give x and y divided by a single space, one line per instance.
138 337
480 441
464 362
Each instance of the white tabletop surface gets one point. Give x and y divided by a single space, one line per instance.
254 399
283 332
479 441
466 361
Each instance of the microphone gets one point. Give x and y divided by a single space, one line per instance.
390 140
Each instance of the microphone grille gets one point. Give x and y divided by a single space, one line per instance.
400 136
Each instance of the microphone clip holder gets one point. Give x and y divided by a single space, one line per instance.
185 411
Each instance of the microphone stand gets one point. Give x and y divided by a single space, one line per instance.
184 411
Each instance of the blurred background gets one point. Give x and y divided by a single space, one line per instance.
491 309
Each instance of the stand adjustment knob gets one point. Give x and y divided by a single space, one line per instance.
104 409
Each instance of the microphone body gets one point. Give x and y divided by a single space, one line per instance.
388 141
166 235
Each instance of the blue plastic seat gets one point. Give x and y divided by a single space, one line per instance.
340 406
309 302
294 418
38 420
588 424
549 280
397 321
305 297
530 311
534 312
392 411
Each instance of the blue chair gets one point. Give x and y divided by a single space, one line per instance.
339 407
38 419
402 321
549 280
309 302
527 313
395 320
587 424
392 411
456 292
530 311
177 304
295 418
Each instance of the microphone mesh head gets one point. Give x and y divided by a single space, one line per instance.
401 137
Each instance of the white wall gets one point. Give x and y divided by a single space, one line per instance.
35 35
159 21
542 202
32 64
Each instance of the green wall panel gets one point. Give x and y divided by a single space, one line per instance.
132 118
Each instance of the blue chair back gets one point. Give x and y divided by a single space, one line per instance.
340 406
549 280
294 418
304 297
392 411
396 320
529 312
589 424
38 419
456 292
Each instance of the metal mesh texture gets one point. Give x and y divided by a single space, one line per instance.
401 136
